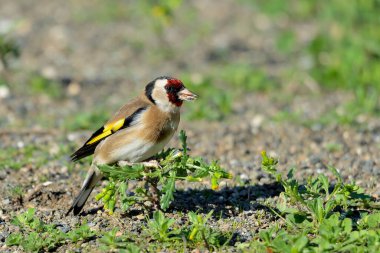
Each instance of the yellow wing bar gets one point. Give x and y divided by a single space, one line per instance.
107 130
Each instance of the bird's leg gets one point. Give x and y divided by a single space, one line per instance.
147 164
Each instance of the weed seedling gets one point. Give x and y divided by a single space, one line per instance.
37 236
110 241
200 232
160 227
320 216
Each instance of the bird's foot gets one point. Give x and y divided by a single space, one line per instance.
152 164
147 164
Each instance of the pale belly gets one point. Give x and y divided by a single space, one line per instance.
135 150
138 151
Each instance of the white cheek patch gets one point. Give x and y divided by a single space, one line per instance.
160 83
162 101
160 97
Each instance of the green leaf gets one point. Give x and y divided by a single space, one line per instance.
160 227
336 174
81 233
325 183
38 236
168 190
125 201
192 217
183 139
316 205
122 173
268 164
347 225
14 239
373 220
299 244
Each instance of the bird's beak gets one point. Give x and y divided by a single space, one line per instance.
186 95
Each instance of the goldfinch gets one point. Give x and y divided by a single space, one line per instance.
138 131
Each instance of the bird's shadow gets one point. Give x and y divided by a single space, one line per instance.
228 201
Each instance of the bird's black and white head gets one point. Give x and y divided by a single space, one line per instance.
168 93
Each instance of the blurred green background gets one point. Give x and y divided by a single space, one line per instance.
94 55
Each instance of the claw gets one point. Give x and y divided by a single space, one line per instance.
125 163
148 164
151 164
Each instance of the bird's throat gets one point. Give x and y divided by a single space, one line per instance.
173 98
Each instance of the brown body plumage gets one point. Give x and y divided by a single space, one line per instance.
138 131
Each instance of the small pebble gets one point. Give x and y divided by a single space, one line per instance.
4 91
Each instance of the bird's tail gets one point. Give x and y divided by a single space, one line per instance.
93 176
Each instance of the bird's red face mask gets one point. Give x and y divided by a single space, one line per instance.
177 92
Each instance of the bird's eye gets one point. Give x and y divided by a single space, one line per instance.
170 89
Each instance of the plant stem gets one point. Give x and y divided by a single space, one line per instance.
155 193
204 239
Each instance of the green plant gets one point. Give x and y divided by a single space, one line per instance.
158 17
277 240
37 236
162 11
8 49
163 235
111 240
7 158
340 53
223 85
160 226
15 157
319 216
333 147
201 232
317 199
242 78
17 193
43 85
80 233
173 165
335 234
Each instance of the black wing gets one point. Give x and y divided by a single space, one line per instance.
102 133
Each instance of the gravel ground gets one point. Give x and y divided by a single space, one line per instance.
104 69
